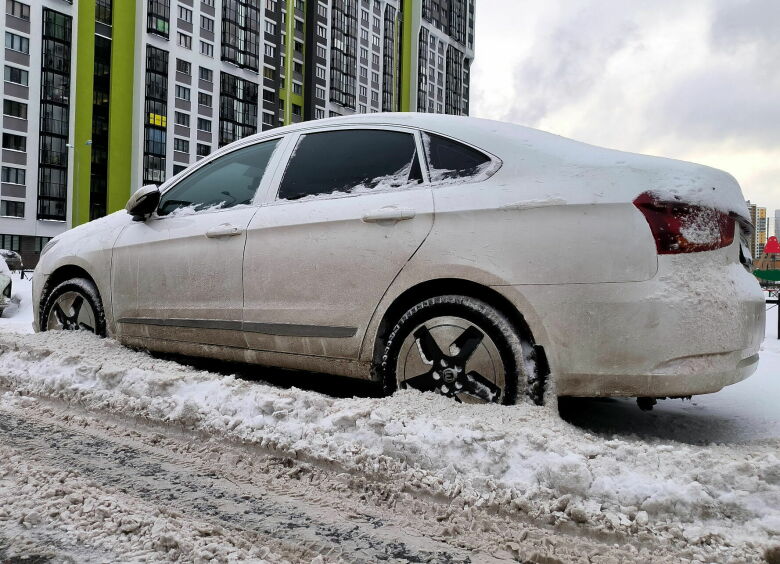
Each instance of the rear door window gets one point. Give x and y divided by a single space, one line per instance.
228 181
351 161
451 159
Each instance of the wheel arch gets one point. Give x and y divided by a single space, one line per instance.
439 287
60 275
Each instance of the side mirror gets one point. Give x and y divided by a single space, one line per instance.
143 202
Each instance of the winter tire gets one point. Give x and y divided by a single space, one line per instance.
74 305
457 346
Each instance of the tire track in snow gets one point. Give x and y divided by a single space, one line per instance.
284 523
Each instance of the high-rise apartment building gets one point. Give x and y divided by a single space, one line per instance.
100 97
759 221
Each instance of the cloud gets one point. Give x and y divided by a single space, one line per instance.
689 80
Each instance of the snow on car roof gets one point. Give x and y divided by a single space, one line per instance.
575 171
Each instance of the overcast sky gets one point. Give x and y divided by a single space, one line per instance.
697 80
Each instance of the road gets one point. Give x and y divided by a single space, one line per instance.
102 488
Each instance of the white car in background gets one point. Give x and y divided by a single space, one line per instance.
447 254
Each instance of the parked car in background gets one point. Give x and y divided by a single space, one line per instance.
447 254
5 276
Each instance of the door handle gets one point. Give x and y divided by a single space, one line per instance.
224 230
390 213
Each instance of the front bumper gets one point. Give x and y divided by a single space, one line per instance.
696 327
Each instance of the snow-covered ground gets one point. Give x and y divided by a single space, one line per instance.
702 476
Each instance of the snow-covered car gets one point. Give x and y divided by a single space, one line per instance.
12 259
5 283
449 254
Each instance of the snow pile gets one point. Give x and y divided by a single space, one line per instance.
519 458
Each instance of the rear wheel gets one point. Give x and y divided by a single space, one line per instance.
457 346
74 305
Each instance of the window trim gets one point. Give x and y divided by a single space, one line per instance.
496 162
268 176
295 137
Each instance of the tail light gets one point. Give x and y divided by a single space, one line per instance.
685 228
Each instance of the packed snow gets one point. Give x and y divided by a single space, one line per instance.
658 475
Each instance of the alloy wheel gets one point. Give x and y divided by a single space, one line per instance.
71 312
453 357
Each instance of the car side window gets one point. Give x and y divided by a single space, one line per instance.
353 160
231 180
450 159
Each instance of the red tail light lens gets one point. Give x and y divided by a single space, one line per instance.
685 228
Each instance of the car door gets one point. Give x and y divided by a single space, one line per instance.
178 275
351 209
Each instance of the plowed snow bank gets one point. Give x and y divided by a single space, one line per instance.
518 458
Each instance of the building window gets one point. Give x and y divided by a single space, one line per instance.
270 5
55 108
237 108
204 125
10 242
375 60
206 74
206 49
319 113
322 10
208 2
15 109
270 50
184 40
98 177
297 110
158 17
204 99
183 67
343 54
300 5
103 11
202 150
374 77
182 92
181 145
270 27
180 118
17 43
363 92
297 88
207 24
185 14
268 73
14 142
322 53
156 110
321 72
17 9
320 92
11 209
17 76
13 175
240 33
297 67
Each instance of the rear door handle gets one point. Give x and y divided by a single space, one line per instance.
390 213
223 230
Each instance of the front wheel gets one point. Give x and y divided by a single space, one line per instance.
457 346
74 305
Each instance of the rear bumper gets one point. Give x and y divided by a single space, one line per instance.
696 327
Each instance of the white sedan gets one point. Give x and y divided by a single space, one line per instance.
480 260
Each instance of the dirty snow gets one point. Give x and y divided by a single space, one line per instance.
715 494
